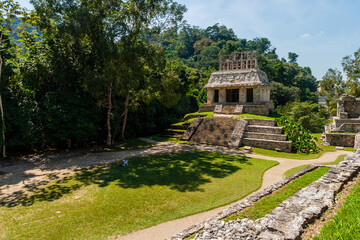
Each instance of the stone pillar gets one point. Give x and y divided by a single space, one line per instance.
242 95
341 110
257 94
222 95
210 96
267 99
357 141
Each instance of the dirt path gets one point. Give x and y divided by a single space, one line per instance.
36 171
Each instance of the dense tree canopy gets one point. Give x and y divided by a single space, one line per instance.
100 71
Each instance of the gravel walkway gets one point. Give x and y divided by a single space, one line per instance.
36 171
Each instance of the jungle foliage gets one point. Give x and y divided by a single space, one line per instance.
63 84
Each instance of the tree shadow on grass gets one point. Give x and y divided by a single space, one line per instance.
186 171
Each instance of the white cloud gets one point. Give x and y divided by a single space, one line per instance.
305 35
322 32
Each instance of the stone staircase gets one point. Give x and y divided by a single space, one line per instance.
262 133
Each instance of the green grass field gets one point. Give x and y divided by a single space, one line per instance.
265 205
299 168
103 201
346 223
291 171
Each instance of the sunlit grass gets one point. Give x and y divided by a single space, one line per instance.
299 168
295 170
345 225
103 201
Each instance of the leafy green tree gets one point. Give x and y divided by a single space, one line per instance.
332 83
351 66
292 57
281 94
120 25
209 58
10 12
307 115
218 33
332 86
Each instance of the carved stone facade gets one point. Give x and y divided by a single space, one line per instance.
239 82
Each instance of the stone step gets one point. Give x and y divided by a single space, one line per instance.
263 129
284 146
179 127
261 122
269 136
171 134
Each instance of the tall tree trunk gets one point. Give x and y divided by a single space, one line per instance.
108 122
2 115
125 117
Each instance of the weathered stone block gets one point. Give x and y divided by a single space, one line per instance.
357 141
237 134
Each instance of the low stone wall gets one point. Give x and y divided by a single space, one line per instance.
349 127
288 220
283 146
206 108
256 109
338 122
344 140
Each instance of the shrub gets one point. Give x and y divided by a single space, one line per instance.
302 139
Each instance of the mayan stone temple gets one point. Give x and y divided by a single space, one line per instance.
341 132
239 86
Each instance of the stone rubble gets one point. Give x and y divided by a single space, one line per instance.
287 221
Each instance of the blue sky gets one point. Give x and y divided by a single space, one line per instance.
321 32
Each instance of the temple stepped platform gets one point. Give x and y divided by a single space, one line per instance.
225 131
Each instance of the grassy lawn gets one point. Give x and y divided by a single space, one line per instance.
295 170
99 202
130 144
267 204
346 224
299 168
